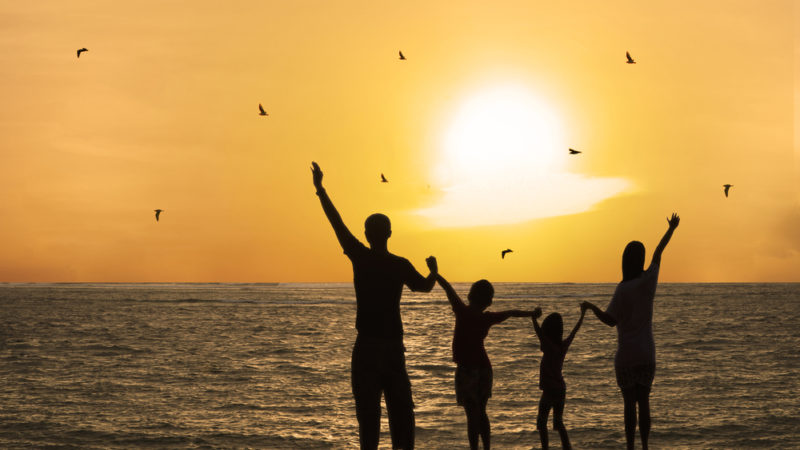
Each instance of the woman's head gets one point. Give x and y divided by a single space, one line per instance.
553 327
632 260
480 294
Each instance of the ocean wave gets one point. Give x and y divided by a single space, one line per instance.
109 350
433 367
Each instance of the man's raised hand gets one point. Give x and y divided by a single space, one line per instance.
316 172
432 265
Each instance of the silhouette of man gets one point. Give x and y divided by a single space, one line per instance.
378 362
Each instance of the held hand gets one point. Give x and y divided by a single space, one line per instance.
432 265
537 313
673 221
316 173
584 307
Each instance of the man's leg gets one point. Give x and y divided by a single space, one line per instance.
367 394
399 403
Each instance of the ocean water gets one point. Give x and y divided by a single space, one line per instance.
267 366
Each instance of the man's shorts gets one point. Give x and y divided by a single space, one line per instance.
643 375
473 385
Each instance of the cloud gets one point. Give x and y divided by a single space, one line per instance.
513 198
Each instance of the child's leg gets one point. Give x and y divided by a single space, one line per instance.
643 399
629 396
558 419
486 429
541 419
472 411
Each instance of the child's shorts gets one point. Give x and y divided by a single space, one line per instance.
642 375
473 385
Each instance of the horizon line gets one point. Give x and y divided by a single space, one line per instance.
350 282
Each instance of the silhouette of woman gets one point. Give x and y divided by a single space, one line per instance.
631 311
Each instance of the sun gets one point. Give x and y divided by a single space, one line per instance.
504 159
496 128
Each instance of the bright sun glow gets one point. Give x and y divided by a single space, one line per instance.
504 160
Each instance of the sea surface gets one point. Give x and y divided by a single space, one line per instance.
267 366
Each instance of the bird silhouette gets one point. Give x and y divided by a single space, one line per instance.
727 188
572 151
158 213
383 179
261 111
402 57
81 50
630 60
503 253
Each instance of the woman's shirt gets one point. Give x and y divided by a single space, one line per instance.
632 308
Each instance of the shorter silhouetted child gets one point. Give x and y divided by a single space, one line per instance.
551 381
473 369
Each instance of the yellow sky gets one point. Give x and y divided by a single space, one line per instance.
161 112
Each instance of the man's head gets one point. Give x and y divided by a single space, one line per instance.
377 228
480 294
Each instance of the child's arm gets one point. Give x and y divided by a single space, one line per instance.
516 313
673 223
602 315
580 322
455 300
501 316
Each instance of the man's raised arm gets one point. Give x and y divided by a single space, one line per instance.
345 237
417 283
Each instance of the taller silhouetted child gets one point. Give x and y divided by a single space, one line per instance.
474 375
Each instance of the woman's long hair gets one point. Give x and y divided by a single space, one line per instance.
632 260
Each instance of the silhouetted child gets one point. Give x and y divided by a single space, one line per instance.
473 369
631 311
551 381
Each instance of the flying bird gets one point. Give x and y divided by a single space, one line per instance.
572 151
402 57
503 253
261 111
727 188
630 60
81 50
158 213
383 179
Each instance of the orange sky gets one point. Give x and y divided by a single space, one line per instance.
161 112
